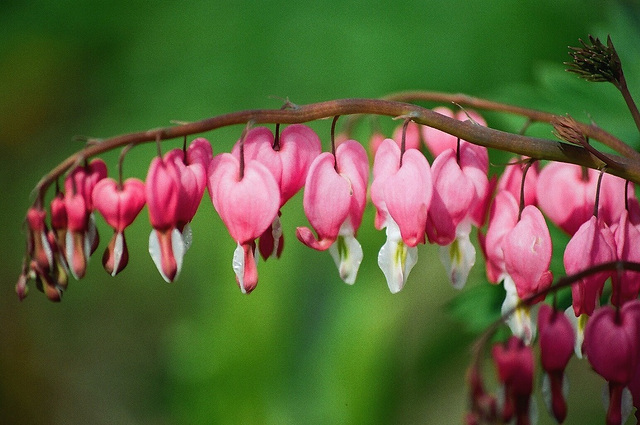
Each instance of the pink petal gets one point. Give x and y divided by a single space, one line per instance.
591 245
502 218
162 191
119 206
299 145
386 163
530 240
564 196
407 195
247 206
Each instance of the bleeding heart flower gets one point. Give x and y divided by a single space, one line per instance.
288 159
556 337
461 194
82 236
591 245
401 191
119 206
162 191
247 201
612 345
514 364
334 200
529 239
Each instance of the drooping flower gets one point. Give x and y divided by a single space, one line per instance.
401 191
460 196
191 168
612 345
529 240
247 201
334 200
174 188
119 205
514 364
288 159
527 256
591 245
82 235
556 338
162 190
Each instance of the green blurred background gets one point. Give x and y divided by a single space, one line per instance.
304 347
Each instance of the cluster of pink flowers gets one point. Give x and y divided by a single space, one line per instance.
416 202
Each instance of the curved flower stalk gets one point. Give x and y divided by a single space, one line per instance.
119 205
334 200
401 191
247 201
288 158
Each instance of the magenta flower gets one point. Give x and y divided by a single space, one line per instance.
162 190
401 192
612 345
192 170
334 199
119 206
566 194
82 236
556 339
247 201
514 364
174 188
591 245
288 160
